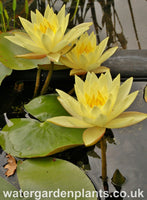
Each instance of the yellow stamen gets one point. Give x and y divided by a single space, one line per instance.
95 100
85 48
44 25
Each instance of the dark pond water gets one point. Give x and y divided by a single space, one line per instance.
129 153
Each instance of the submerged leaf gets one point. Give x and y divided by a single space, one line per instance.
118 179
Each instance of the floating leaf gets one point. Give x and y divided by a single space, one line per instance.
11 166
9 50
30 138
44 107
4 71
48 174
8 187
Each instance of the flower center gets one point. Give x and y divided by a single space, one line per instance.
85 48
95 100
44 25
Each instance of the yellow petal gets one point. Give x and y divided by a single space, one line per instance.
126 119
124 89
58 36
62 20
54 57
59 46
31 56
100 69
47 11
33 17
92 135
75 32
100 120
107 54
47 42
28 26
69 103
70 122
123 105
65 49
101 47
114 90
65 61
77 72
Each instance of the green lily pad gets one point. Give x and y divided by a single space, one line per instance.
54 178
6 188
4 71
29 138
44 107
9 50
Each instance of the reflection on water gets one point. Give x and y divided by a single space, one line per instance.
123 21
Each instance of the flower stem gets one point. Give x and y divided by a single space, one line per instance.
103 157
37 82
47 81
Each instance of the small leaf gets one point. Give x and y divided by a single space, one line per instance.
118 179
6 14
26 8
14 5
1 8
11 166
44 107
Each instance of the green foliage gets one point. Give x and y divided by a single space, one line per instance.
6 186
26 8
4 71
14 5
48 174
44 107
2 17
9 50
31 138
14 9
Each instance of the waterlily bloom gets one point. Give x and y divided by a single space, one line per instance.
87 55
100 104
45 35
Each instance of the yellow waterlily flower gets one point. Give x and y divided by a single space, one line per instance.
87 55
45 35
100 104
